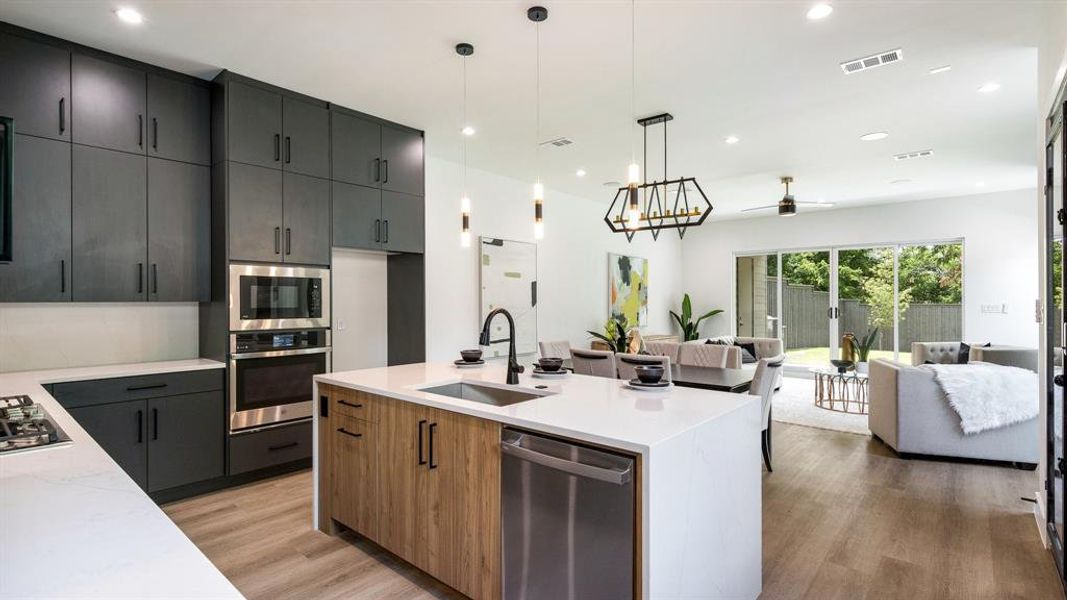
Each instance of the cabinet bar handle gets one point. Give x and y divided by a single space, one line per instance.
288 241
62 276
385 234
140 131
433 430
140 278
155 279
62 116
350 404
155 425
422 424
288 149
385 171
152 386
377 230
377 169
347 432
277 240
277 146
283 446
155 133
140 427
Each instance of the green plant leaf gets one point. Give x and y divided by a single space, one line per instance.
687 308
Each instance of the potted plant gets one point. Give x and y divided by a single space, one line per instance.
616 333
690 328
863 346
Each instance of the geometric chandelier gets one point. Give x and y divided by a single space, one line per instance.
657 205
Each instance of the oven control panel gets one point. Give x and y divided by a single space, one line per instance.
265 341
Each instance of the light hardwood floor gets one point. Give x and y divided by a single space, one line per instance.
843 518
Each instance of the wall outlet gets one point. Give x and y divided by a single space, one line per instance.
995 309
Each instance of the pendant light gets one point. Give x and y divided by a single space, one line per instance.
464 50
538 14
633 174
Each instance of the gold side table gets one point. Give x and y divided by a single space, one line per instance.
840 392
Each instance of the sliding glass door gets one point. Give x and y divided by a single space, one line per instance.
867 297
757 296
806 307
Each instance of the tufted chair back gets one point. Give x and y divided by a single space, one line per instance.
943 353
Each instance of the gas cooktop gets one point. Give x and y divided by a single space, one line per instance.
25 425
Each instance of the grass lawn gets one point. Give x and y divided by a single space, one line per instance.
821 356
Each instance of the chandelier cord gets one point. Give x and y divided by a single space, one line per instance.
633 75
537 141
465 124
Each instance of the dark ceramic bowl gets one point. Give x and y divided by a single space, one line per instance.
471 355
842 365
649 373
550 364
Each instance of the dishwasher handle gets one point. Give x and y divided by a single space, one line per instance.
614 476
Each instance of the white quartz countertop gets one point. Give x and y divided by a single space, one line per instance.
74 525
593 409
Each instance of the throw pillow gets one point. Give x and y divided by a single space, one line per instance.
964 355
748 353
716 342
929 362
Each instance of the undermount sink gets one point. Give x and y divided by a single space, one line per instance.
485 394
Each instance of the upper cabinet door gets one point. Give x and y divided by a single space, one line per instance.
402 222
35 88
357 216
307 220
108 105
110 225
357 150
179 120
254 133
255 212
179 244
402 159
41 269
306 147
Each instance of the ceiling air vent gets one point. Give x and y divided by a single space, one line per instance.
915 154
558 142
870 62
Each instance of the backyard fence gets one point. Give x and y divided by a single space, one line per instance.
806 323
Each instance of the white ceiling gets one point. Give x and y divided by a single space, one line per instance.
757 70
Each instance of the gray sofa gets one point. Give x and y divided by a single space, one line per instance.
909 412
948 353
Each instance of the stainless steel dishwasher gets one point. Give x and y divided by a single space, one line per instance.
568 520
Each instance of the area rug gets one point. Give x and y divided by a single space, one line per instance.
795 404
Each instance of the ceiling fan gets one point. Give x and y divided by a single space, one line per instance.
787 206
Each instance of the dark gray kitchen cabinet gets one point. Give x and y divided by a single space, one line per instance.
35 86
306 202
254 119
306 143
186 435
179 246
402 222
357 216
255 213
110 225
40 271
356 149
121 430
179 120
402 160
108 104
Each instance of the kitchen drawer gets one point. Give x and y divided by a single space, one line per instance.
105 391
269 447
352 403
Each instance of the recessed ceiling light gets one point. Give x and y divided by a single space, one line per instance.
874 136
129 15
732 139
468 130
989 88
612 184
820 11
580 173
941 69
980 184
899 181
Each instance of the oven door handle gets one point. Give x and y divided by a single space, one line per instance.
277 353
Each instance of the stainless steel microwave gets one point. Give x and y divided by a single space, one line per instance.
278 297
7 185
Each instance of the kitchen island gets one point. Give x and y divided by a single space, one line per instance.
697 510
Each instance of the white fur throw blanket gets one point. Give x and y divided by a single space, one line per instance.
988 396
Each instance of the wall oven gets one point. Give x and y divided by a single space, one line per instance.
271 375
278 297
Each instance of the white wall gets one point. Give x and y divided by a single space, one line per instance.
359 310
572 259
999 253
41 336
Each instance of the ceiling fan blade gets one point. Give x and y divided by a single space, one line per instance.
759 208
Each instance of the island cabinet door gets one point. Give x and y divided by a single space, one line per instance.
355 474
401 460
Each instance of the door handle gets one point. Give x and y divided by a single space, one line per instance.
342 402
616 476
155 133
433 431
385 231
277 240
62 116
1058 380
140 427
140 278
277 146
155 279
283 446
288 149
155 423
385 171
140 131
377 230
62 276
1059 466
349 433
377 169
422 425
288 241
153 386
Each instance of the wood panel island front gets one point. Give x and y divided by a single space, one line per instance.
419 472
